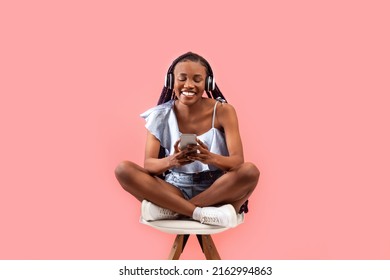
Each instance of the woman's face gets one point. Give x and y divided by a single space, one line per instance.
189 82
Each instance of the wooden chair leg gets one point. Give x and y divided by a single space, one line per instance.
205 241
178 246
208 247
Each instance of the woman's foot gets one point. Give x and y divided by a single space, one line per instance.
224 216
152 212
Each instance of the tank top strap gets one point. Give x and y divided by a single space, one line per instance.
215 109
218 99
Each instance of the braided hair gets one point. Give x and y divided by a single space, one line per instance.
167 93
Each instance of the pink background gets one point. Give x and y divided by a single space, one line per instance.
309 81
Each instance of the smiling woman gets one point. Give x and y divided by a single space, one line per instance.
207 181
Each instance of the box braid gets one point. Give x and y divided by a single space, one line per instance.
167 94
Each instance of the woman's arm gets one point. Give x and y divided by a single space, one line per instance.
152 163
157 165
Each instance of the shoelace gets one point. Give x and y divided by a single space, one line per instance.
207 220
166 212
211 218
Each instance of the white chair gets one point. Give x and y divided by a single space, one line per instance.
183 228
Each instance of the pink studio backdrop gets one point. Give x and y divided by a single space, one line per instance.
309 81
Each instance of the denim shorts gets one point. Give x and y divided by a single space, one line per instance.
193 184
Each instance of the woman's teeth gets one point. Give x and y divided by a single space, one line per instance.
186 93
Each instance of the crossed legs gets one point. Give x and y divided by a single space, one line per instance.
233 188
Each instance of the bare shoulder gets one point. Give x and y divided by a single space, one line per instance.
225 110
226 115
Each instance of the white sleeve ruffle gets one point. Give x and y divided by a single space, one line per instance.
161 122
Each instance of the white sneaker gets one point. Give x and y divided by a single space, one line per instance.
240 218
152 212
224 216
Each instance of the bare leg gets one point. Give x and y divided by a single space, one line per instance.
234 187
142 185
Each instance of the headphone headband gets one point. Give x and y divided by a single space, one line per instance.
209 82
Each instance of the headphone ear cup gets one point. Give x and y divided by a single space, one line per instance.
169 81
210 83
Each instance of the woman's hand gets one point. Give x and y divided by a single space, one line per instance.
201 152
180 157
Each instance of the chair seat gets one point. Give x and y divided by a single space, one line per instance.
187 226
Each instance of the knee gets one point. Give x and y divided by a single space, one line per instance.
249 172
124 170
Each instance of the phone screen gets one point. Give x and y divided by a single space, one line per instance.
187 139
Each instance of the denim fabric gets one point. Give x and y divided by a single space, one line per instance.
194 183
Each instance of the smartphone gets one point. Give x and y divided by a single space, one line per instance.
187 139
